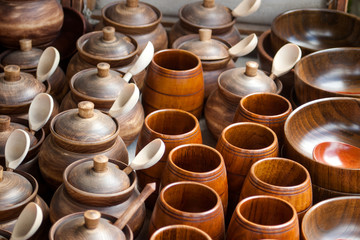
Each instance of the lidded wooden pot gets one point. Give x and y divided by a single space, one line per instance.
100 184
234 84
102 86
76 134
137 19
114 48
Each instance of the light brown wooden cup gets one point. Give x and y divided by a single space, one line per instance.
189 203
174 127
180 232
198 163
263 217
268 109
282 178
241 145
174 80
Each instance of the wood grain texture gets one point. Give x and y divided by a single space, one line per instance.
179 232
268 109
174 80
321 194
327 119
198 163
282 178
306 27
241 145
328 73
174 127
41 21
189 203
263 217
332 218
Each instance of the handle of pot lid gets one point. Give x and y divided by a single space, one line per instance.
4 123
246 8
86 109
132 3
100 163
92 218
12 73
103 69
209 3
25 44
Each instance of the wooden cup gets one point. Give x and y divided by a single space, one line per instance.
179 232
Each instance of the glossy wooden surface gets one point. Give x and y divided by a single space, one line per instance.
259 217
241 145
321 194
41 21
307 28
268 109
282 178
332 218
192 204
179 232
174 127
328 119
198 163
328 73
174 80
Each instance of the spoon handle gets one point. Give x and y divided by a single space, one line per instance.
127 170
134 206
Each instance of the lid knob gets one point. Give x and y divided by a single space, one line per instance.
100 163
12 73
4 123
209 3
205 34
92 218
25 44
86 109
103 69
1 173
108 33
132 3
251 68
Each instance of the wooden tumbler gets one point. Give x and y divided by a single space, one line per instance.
180 232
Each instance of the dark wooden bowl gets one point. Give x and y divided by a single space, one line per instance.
315 29
333 219
328 73
327 119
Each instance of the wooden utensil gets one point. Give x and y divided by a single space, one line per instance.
48 62
245 8
40 111
16 148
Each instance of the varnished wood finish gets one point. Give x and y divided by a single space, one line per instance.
174 80
174 127
328 73
306 27
241 145
282 178
198 163
268 109
336 216
179 232
327 119
321 194
264 217
40 20
189 203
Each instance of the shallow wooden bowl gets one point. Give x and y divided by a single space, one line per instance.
333 219
328 73
327 119
315 29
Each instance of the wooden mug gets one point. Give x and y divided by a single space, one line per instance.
180 232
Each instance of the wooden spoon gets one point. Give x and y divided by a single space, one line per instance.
48 62
285 59
16 148
126 100
142 62
40 111
148 156
337 154
246 7
28 222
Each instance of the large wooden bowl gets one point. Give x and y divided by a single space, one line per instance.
327 119
335 218
315 29
328 73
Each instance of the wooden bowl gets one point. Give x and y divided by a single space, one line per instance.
321 194
327 119
333 219
315 29
328 73
179 232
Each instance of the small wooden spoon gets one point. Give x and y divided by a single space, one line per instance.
16 148
148 156
40 111
28 222
48 62
246 7
125 101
